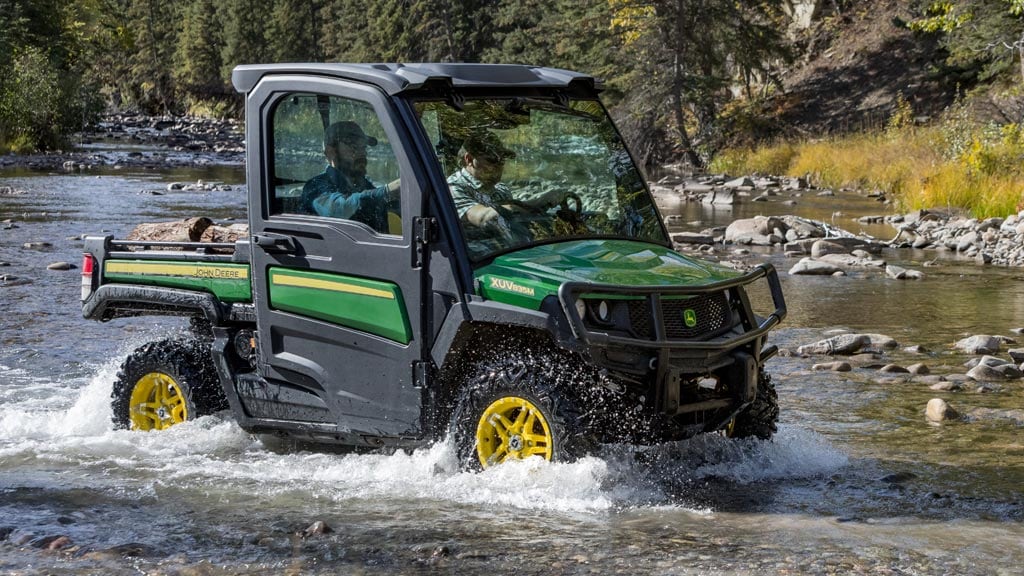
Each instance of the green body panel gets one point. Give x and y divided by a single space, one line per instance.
367 305
228 282
526 277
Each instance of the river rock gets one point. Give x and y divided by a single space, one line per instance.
823 247
833 367
882 341
60 266
719 197
759 230
938 410
1017 354
916 349
811 267
893 369
230 234
979 344
899 273
692 238
317 528
991 361
37 245
918 369
985 373
742 182
844 345
947 386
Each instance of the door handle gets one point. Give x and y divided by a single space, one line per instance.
274 243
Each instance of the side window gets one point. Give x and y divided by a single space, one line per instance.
332 159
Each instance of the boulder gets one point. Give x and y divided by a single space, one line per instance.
979 344
823 247
60 266
940 411
1017 354
918 369
844 345
893 369
882 341
899 273
809 266
759 230
742 182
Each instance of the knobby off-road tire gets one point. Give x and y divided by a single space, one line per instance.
165 383
760 419
515 408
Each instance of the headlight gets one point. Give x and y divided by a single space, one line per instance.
603 311
581 308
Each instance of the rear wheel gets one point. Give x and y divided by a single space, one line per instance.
513 409
165 383
760 419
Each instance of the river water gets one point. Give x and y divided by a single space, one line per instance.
856 481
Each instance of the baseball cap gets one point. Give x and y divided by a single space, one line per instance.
348 131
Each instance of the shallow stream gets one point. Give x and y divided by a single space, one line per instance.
856 481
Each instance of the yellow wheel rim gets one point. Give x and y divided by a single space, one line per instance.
512 428
157 403
729 429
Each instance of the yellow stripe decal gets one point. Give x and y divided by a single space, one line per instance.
281 280
187 270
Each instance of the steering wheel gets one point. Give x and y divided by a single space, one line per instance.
577 213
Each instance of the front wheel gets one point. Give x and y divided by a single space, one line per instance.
513 409
162 384
760 419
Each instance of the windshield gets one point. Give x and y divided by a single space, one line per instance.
524 171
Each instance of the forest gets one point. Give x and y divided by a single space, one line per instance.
685 78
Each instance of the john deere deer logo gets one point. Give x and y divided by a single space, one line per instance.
690 317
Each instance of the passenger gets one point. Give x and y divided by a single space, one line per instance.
343 190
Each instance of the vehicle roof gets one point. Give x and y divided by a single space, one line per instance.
397 78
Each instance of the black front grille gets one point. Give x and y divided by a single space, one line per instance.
709 314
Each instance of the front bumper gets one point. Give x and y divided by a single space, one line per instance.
665 362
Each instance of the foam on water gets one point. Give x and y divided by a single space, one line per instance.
214 451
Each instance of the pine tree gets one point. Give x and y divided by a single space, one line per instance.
155 23
245 39
197 59
294 31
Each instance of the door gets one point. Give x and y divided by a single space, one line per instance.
336 289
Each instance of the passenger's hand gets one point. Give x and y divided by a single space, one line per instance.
395 189
481 215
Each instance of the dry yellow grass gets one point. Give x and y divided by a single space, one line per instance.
980 170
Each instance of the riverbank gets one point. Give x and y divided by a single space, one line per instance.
148 142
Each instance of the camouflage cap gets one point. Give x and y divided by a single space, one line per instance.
487 145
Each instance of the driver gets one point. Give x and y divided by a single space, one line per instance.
477 188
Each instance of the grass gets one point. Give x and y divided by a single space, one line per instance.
979 169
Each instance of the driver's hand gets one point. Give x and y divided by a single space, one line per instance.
481 215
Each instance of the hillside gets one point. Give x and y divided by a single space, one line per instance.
854 64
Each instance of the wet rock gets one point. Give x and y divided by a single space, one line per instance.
692 238
316 528
918 369
916 349
60 266
5 532
1016 354
833 367
979 344
719 197
947 387
985 373
893 369
882 341
808 266
938 410
899 273
759 230
844 344
742 182
823 247
37 245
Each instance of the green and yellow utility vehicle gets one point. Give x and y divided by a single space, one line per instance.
545 332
